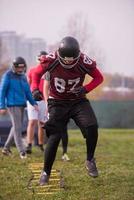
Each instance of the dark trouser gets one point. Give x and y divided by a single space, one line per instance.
64 140
59 114
50 152
91 140
16 115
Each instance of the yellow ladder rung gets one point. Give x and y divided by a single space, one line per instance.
48 193
54 181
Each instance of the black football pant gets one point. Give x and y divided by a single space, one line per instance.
64 140
59 114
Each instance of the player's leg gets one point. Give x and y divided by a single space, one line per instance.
91 135
16 115
32 123
85 118
54 128
64 140
41 121
40 137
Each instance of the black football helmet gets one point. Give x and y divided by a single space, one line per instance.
41 56
68 52
19 65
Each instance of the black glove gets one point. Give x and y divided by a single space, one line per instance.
79 91
37 95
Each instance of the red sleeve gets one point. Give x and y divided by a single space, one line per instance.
97 79
36 76
40 69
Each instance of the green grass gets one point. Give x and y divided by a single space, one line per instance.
115 161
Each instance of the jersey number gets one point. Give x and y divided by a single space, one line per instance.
60 84
87 60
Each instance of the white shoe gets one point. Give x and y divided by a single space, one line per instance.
65 157
6 152
23 155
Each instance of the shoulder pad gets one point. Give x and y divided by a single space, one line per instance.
51 56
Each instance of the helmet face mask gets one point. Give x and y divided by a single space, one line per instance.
68 62
19 66
68 52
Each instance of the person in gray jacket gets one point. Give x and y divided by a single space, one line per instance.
14 93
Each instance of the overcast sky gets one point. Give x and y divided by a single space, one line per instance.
112 22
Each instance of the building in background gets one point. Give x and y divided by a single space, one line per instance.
14 45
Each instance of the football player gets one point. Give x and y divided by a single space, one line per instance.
36 118
67 100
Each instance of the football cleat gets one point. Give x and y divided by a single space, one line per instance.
44 179
91 168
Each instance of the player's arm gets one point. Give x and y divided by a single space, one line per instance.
89 67
36 76
4 85
92 70
40 70
97 80
46 86
46 90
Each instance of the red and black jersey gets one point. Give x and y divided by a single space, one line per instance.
63 81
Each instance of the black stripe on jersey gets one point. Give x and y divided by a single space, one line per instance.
53 65
83 68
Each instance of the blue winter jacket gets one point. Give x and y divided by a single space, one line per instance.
14 90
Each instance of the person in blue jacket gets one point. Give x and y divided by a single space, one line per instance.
14 93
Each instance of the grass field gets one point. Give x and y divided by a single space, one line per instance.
115 161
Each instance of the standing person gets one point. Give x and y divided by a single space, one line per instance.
64 136
36 118
14 93
68 67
